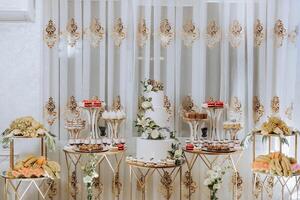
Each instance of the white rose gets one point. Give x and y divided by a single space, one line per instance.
144 135
217 186
87 179
155 134
214 175
178 153
206 182
149 88
146 105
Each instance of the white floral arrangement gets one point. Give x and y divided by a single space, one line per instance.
176 153
145 104
150 130
152 85
90 174
214 180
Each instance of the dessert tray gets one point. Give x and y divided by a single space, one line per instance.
166 163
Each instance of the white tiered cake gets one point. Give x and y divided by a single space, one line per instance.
154 123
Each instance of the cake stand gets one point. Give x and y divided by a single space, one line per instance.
93 113
265 183
42 185
233 129
215 114
167 174
75 160
113 127
74 127
210 159
194 125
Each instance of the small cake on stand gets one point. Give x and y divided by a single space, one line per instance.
93 109
114 118
215 110
192 116
73 119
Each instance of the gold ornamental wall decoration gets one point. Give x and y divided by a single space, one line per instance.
258 187
275 105
258 109
236 34
188 104
143 33
168 106
293 36
50 34
117 104
166 188
269 187
280 32
258 33
95 32
50 111
189 184
166 33
213 34
289 111
190 33
235 109
72 33
238 185
119 32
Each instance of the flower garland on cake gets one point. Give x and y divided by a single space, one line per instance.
145 125
152 85
27 127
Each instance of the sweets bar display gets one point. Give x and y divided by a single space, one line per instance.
221 146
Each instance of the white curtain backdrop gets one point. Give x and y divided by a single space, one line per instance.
221 72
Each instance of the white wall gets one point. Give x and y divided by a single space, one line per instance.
20 70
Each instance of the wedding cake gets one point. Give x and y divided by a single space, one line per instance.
154 123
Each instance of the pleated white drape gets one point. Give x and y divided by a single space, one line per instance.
222 72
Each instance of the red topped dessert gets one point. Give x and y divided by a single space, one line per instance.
94 103
213 104
189 147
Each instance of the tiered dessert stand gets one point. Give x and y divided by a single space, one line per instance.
214 114
113 127
143 172
194 125
20 187
264 184
229 158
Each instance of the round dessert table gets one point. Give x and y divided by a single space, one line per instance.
168 173
211 159
20 187
75 159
